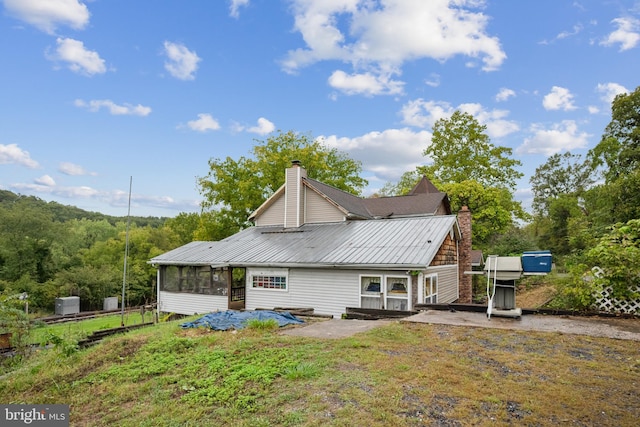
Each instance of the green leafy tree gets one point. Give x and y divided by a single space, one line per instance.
26 238
613 261
461 150
619 149
492 208
235 188
106 258
513 242
184 226
473 172
406 183
560 187
561 175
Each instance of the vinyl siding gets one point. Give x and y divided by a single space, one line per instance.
447 282
318 209
293 212
326 291
184 303
273 215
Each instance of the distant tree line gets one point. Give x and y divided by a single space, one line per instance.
50 250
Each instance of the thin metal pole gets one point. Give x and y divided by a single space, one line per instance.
126 253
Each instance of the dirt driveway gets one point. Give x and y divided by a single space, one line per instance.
627 329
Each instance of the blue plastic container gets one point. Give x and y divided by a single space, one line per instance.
536 262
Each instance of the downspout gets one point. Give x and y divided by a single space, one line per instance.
158 304
458 269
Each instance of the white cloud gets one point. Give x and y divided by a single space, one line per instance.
96 105
263 127
78 59
609 91
627 34
204 123
495 120
378 37
504 94
234 7
45 180
558 99
433 80
66 192
73 169
421 113
561 136
574 31
182 63
12 154
387 154
593 109
47 15
365 84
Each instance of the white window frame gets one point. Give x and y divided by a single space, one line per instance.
430 288
280 273
383 293
402 296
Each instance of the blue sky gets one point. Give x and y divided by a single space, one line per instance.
95 92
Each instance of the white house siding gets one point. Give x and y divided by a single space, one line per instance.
318 209
185 303
328 291
447 282
273 215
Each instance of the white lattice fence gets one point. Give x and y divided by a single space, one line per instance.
606 303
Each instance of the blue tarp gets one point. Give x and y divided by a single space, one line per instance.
223 320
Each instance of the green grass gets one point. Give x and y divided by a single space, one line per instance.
401 374
73 331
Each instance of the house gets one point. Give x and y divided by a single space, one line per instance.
316 246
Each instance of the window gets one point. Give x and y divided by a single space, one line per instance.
371 291
276 279
269 282
431 289
397 293
193 279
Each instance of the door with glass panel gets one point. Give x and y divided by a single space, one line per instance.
430 289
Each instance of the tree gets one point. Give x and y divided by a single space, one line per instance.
406 183
492 208
26 238
619 148
235 188
561 175
184 226
513 242
461 150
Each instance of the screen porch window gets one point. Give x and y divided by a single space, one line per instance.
431 289
193 280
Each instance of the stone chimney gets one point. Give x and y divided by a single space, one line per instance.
464 256
294 195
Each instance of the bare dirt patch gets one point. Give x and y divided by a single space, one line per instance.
535 296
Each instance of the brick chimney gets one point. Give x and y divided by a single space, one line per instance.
294 195
464 256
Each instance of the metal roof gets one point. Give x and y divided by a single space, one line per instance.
386 243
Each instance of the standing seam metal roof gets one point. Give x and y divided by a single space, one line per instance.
403 242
